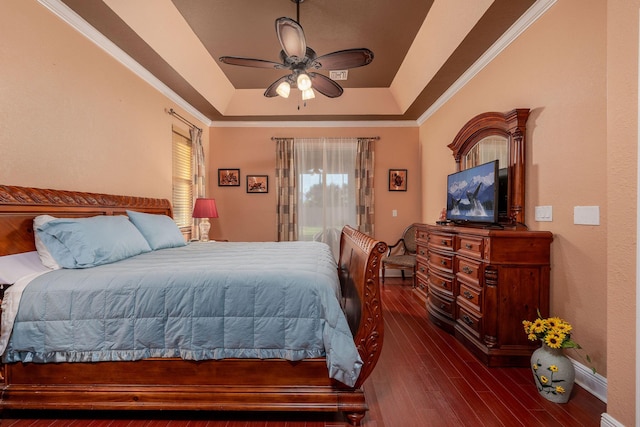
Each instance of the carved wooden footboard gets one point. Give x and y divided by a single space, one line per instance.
165 384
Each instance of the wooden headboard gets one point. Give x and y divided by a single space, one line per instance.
19 205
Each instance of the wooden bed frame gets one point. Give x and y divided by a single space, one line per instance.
176 384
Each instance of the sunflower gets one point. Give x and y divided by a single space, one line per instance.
539 326
553 322
553 368
554 340
559 389
563 327
543 379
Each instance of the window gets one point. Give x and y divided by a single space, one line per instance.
182 179
326 188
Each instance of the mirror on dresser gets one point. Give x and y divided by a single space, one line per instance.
498 136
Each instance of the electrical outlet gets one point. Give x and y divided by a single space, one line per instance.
394 213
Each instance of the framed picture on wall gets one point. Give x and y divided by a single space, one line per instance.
257 184
228 177
397 180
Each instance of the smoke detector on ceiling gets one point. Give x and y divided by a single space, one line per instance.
338 74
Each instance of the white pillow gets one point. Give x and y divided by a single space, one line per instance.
14 267
45 256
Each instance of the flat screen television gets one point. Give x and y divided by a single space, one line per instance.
472 194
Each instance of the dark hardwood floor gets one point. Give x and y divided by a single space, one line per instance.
424 378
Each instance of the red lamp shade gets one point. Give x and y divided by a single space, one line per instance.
205 208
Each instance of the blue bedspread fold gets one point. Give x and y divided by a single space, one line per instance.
201 301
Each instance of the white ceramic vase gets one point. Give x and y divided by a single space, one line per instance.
553 373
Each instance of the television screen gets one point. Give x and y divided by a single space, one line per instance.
472 194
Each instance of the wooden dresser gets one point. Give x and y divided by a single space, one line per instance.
480 285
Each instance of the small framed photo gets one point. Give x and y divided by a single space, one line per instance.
397 180
257 184
228 177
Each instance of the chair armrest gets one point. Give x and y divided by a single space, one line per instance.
396 244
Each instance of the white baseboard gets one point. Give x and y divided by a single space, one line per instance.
608 421
595 384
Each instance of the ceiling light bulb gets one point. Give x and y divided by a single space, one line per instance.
304 82
283 89
308 94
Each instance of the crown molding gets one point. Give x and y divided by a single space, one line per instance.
318 124
61 10
529 17
74 20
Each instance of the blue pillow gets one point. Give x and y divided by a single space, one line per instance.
88 242
159 230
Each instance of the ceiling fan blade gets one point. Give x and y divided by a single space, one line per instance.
291 37
249 62
271 90
344 59
325 85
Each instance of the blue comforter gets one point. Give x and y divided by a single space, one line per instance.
201 301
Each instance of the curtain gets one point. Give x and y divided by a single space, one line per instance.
364 186
326 188
198 170
286 200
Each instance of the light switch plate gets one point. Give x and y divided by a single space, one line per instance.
544 213
586 215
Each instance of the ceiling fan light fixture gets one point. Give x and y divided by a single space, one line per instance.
284 89
308 94
303 81
302 62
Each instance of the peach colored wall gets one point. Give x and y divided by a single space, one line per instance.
252 217
558 69
73 118
622 191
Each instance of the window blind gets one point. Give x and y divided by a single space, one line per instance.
182 198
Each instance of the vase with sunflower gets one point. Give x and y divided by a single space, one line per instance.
553 372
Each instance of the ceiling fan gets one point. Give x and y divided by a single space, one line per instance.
301 60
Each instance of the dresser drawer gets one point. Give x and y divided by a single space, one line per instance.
421 267
442 262
422 284
470 295
470 320
442 304
421 251
471 246
442 283
468 270
422 235
441 241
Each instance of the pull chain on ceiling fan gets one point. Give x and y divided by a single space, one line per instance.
297 57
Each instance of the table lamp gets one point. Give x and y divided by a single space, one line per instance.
205 209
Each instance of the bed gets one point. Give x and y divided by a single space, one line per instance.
165 381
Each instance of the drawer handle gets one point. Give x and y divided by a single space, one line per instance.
444 284
468 246
443 261
467 269
445 242
467 320
422 269
421 252
468 295
442 306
